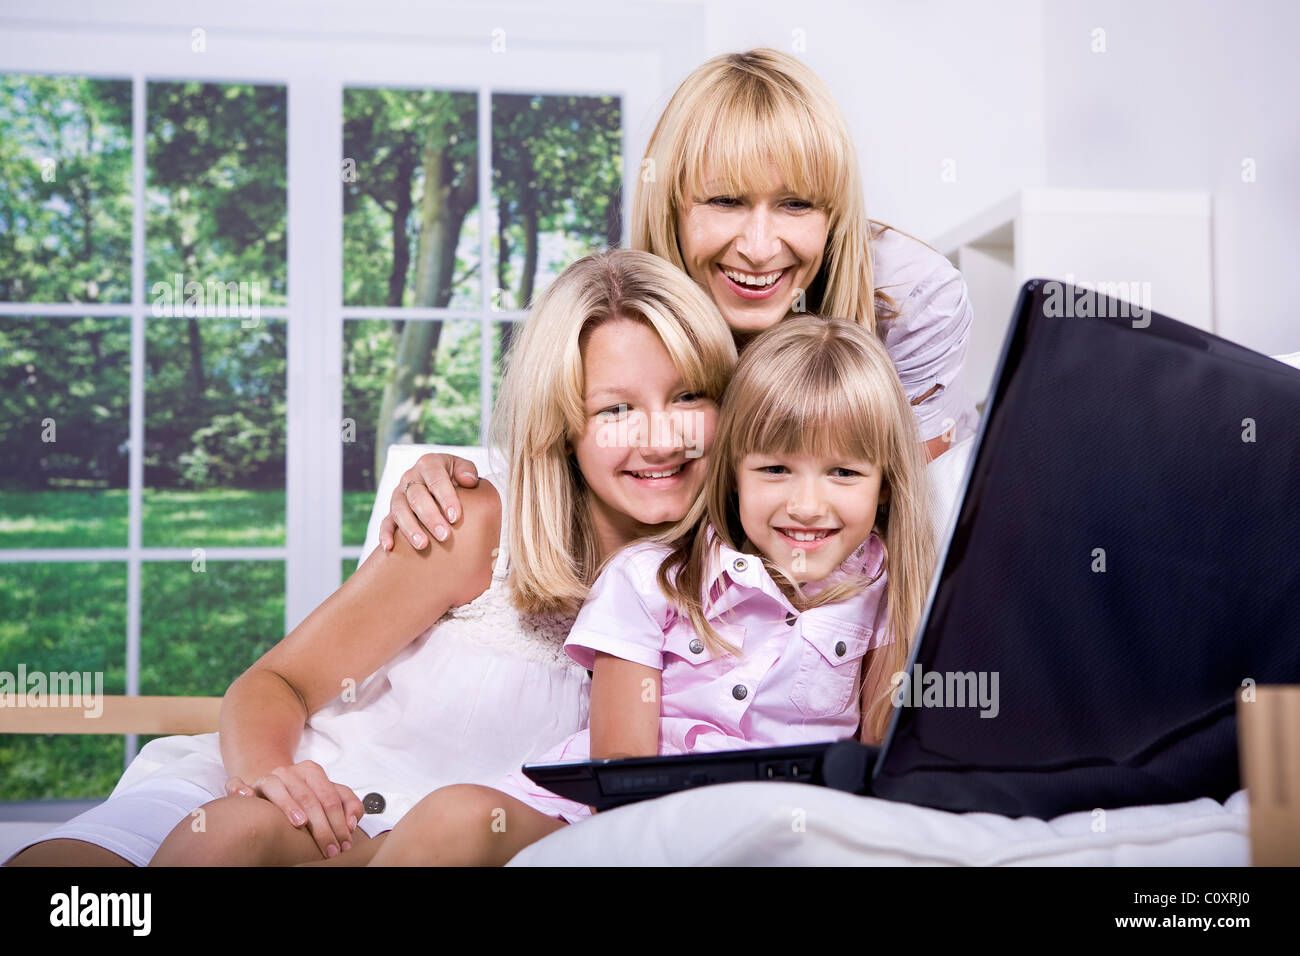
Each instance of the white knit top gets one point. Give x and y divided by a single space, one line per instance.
469 700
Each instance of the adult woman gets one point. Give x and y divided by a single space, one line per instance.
750 185
450 663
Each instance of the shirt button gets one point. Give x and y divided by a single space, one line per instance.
739 692
374 803
840 648
740 564
696 646
791 618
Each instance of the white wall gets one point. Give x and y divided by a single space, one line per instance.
1011 90
920 83
1185 91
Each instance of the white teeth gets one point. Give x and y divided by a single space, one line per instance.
757 281
805 535
657 474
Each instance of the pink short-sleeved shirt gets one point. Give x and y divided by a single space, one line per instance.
929 338
793 684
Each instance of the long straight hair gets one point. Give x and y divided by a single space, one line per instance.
552 540
731 119
823 387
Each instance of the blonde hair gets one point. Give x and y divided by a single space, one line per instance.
825 387
734 116
555 558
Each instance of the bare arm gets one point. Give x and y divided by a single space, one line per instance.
936 446
389 601
624 708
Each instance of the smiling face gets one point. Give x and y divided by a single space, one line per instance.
643 452
752 252
807 513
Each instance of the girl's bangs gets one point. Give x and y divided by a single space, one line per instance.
690 355
826 420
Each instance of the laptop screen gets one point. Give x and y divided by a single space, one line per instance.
1124 560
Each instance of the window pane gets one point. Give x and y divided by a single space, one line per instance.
557 181
217 203
410 198
62 618
214 433
203 623
412 381
65 189
64 425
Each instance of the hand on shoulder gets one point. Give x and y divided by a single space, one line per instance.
463 562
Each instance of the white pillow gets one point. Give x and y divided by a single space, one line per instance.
1292 359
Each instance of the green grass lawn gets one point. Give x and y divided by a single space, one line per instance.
63 519
171 519
198 630
213 518
63 617
356 515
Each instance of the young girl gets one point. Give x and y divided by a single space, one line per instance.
773 613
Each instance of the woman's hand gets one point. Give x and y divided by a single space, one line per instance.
414 510
308 798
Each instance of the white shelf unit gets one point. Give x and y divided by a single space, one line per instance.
1150 248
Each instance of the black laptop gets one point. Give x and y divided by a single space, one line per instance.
1125 558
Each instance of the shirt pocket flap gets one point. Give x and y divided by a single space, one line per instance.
838 641
683 642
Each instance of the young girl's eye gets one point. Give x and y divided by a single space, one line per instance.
799 204
615 411
772 469
847 472
690 396
725 201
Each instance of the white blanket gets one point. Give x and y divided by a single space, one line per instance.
792 824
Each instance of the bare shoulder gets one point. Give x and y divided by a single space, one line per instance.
480 523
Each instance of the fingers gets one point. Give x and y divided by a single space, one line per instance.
387 528
464 471
235 787
401 514
288 790
352 805
331 804
436 476
425 500
272 788
427 508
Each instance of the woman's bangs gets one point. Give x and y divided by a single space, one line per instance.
742 142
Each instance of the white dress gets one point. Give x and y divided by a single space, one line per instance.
473 698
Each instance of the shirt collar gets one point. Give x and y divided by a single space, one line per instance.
734 572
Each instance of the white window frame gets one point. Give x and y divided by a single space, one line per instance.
316 50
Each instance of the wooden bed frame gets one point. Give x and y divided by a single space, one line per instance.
121 715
